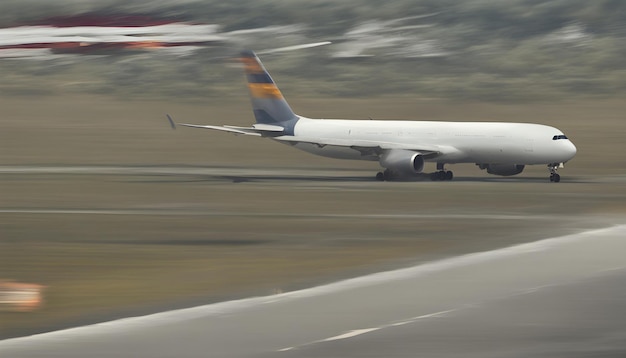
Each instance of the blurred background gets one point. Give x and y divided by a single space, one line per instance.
106 212
474 49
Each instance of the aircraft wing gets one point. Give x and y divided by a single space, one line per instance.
371 147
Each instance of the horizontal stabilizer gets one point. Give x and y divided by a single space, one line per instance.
258 129
223 129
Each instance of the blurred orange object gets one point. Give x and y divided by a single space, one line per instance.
20 297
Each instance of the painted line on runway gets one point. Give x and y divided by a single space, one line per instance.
354 333
208 212
436 314
359 332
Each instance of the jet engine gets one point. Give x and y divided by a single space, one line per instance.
502 169
402 161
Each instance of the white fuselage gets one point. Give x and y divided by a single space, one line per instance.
460 142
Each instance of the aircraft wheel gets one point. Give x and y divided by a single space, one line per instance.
441 175
554 177
380 176
434 176
387 175
449 175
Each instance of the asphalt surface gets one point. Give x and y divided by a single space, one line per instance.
560 297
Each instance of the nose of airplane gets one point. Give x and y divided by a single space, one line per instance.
570 149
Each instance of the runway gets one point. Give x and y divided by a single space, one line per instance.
242 174
557 297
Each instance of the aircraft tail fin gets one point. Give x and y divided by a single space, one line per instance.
268 103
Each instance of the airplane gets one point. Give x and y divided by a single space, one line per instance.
401 147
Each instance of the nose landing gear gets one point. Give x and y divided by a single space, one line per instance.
553 167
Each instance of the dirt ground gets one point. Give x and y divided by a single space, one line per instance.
125 216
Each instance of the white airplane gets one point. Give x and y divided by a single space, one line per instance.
401 147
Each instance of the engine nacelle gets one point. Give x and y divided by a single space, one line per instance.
402 161
502 169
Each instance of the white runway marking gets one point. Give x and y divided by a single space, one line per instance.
135 324
358 332
208 212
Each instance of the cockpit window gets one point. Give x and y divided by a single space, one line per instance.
561 136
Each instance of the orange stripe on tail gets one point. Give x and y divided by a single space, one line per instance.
264 90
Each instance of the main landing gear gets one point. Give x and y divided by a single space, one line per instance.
441 174
387 175
554 177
